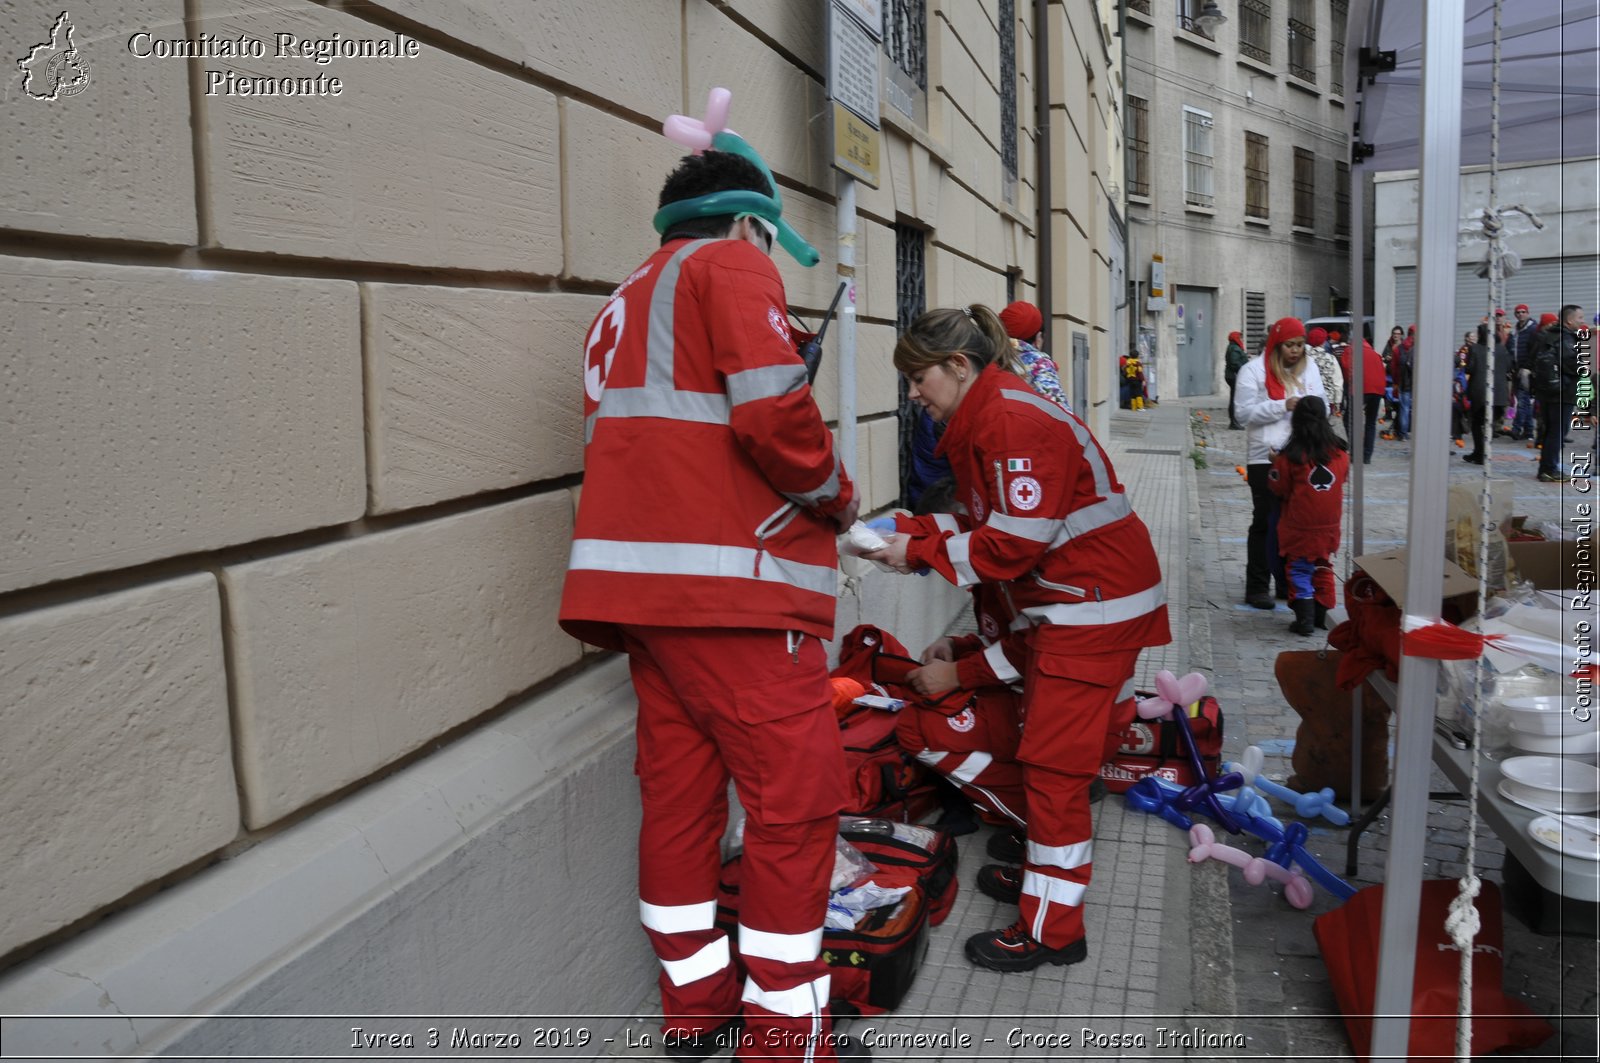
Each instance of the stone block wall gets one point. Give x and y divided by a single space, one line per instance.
290 400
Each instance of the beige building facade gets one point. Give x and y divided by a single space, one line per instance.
1238 183
294 297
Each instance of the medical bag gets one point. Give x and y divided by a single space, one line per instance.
884 779
872 966
1155 747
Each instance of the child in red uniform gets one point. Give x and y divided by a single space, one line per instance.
1309 475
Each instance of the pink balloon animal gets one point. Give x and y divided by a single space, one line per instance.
694 133
1296 889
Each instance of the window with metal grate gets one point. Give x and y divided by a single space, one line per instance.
1255 30
910 278
1341 16
905 38
1303 40
1197 158
1138 146
1008 88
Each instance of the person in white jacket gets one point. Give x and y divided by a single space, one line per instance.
1268 389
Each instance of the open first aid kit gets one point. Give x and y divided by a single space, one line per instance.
897 880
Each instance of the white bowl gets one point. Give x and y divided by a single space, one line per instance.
1547 800
1547 714
1585 746
1552 780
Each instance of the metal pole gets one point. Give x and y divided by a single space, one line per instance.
1439 195
1041 112
846 224
1356 400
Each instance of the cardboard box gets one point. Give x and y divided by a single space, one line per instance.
1554 566
1388 570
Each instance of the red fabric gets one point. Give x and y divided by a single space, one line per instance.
1022 320
715 704
1313 504
1069 712
1370 639
1349 939
1283 330
1372 369
1317 336
669 488
1023 464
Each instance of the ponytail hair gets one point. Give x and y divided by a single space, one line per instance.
974 331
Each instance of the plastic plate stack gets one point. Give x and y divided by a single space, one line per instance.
1552 727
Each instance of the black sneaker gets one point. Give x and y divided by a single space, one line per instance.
692 1048
1260 600
1000 881
1008 846
1013 949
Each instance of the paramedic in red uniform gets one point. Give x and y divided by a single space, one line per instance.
1050 524
704 548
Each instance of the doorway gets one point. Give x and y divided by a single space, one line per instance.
1197 355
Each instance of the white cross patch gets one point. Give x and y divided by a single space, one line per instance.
1025 493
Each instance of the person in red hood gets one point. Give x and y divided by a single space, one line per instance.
1233 362
1269 389
1372 387
1048 522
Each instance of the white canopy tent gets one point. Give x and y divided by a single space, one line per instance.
1430 110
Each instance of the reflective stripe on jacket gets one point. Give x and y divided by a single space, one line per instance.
1048 521
708 470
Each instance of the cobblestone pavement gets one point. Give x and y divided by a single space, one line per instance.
1190 962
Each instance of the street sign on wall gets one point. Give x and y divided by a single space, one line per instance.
853 76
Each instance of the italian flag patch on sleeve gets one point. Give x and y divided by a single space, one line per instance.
1019 465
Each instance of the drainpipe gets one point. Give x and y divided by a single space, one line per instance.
1041 109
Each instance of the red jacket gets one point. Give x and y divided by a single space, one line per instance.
1313 504
709 474
1048 521
1372 369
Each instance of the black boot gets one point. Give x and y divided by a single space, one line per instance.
1303 616
1321 615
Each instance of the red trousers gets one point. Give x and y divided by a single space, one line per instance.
1071 706
716 704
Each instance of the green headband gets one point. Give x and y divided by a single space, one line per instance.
740 201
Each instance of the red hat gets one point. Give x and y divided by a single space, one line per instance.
1522 307
1236 338
1336 335
1546 319
1316 337
1284 329
1022 320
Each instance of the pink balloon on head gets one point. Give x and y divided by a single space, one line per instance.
694 133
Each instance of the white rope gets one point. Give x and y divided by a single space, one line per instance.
1463 923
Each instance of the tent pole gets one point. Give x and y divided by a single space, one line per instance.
1439 202
1355 402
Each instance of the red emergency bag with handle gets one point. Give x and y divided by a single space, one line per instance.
1154 747
885 780
1348 937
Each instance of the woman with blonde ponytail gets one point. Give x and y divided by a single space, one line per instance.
1047 523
